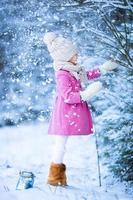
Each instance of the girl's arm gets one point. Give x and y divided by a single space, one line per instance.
103 69
94 73
64 88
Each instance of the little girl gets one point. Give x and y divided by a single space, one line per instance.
71 114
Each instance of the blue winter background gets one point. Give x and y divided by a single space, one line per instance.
101 30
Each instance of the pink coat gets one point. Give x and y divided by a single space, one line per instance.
71 115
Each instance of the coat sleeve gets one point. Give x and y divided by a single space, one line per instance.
94 73
64 88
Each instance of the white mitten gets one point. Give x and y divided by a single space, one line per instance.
91 90
107 66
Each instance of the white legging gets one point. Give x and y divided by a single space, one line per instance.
59 148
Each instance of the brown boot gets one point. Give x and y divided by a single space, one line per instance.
57 175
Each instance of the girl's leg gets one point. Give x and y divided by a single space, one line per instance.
59 148
57 171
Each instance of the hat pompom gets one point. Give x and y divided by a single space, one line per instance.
49 38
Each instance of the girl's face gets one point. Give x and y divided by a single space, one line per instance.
74 59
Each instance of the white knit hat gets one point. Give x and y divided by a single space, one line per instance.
60 48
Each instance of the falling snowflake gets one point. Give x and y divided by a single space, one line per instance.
72 123
66 100
74 113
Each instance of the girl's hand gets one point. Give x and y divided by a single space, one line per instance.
91 90
107 66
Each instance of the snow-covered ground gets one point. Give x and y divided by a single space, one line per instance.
29 147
